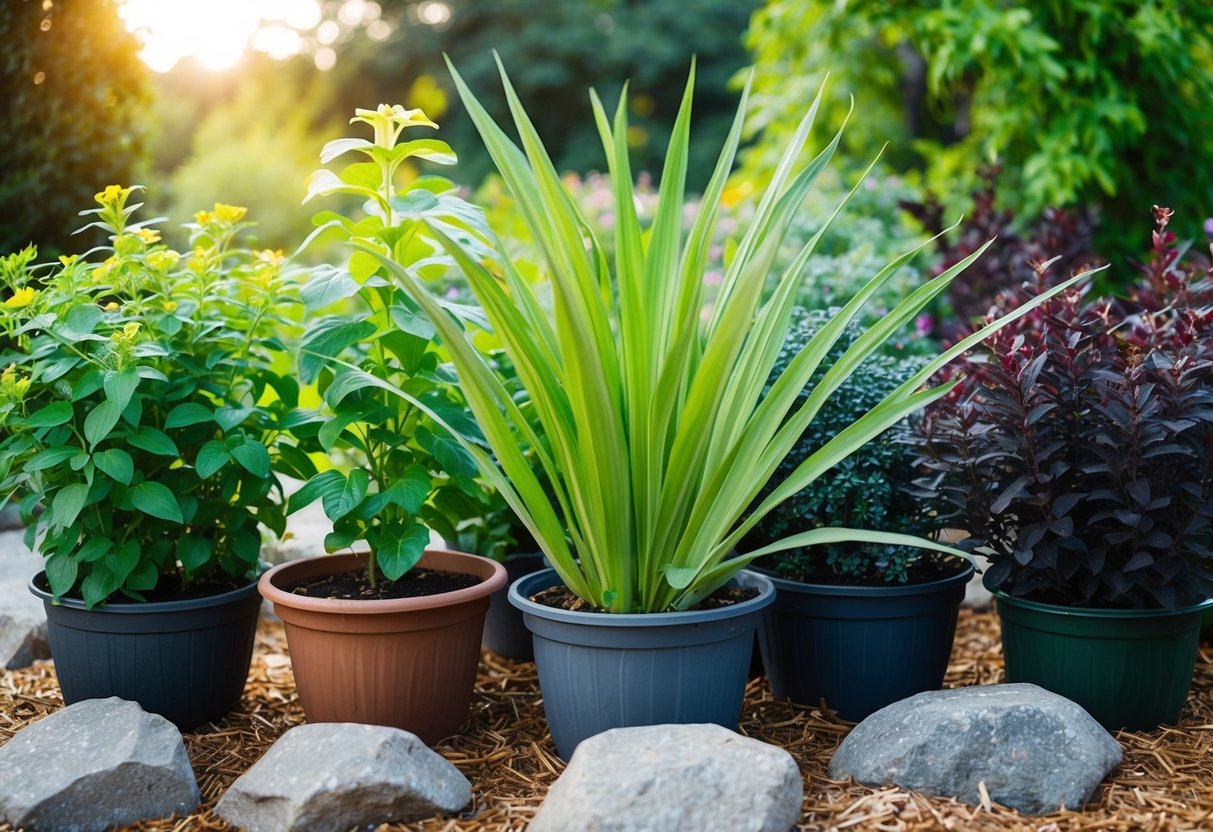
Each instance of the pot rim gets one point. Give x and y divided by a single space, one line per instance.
882 590
765 597
1100 612
146 607
495 580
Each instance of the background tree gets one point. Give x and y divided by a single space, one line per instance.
74 93
1087 102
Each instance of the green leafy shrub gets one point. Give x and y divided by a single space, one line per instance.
869 489
143 401
1081 101
406 474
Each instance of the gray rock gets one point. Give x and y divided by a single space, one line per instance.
1035 751
93 765
317 778
23 636
673 778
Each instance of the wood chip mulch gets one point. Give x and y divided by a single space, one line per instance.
1165 782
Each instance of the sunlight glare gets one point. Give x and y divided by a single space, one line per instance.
217 32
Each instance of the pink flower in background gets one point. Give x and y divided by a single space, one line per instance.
923 325
712 278
1209 226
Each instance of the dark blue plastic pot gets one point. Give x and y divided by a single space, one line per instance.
185 660
859 648
504 631
599 671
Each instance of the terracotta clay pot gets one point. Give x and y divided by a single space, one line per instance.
408 663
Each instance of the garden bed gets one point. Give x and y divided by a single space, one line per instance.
1165 782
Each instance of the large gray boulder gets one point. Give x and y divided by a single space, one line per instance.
23 637
94 765
673 778
1035 751
327 776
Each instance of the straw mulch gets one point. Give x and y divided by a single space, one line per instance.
1165 782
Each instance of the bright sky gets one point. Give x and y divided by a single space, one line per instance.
219 32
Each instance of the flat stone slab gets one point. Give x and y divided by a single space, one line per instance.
94 765
1032 750
330 776
674 778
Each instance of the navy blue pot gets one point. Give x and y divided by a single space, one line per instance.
599 671
859 648
185 660
504 631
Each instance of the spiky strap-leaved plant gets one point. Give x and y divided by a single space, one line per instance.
653 431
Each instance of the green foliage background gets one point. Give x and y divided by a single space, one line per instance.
1085 102
79 128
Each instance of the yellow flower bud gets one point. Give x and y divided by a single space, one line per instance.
112 306
170 306
68 259
112 194
162 261
21 298
131 329
204 217
229 213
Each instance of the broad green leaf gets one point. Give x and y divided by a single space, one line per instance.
211 457
188 413
340 502
98 585
155 499
327 285
80 322
53 414
116 463
399 548
143 578
194 551
120 385
333 541
254 457
94 549
61 572
154 441
68 502
123 561
51 457
100 421
319 486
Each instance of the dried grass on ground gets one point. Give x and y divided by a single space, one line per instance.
1165 782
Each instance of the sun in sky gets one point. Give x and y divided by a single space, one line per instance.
219 32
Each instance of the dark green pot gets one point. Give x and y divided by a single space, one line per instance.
1130 669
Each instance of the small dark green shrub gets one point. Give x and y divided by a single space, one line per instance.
867 490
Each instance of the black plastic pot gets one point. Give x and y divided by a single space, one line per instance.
599 671
859 648
185 660
1129 668
504 631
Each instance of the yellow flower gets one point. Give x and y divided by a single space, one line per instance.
68 259
112 194
229 213
21 298
112 306
147 235
389 120
170 306
162 261
271 257
22 385
9 375
204 217
263 279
